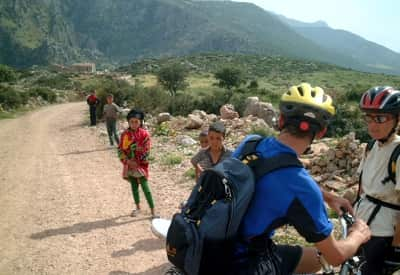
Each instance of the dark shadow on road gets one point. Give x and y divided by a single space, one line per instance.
84 227
87 151
141 245
159 270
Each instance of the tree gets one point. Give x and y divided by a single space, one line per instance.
173 78
7 74
253 85
229 77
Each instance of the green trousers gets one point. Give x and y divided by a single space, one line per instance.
135 182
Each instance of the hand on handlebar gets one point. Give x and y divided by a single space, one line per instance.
360 230
338 204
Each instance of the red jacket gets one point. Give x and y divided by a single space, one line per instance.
92 100
135 145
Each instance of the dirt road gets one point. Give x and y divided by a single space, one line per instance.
64 208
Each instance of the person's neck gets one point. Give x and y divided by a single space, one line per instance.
216 150
297 144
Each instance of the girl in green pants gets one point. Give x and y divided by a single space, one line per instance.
133 150
135 182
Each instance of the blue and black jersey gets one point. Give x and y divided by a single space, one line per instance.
285 196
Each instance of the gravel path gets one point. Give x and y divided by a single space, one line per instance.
65 208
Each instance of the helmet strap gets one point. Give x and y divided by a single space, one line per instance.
321 133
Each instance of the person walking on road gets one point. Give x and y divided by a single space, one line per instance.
110 112
92 101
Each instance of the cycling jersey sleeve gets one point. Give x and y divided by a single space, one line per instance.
307 211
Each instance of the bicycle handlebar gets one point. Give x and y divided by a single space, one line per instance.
346 220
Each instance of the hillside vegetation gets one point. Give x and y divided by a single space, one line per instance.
111 33
264 76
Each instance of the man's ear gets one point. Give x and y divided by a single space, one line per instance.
321 133
281 122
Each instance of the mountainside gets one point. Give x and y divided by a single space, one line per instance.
121 31
374 56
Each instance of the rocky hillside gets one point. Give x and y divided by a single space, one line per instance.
118 32
332 162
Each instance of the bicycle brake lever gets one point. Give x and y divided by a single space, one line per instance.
348 218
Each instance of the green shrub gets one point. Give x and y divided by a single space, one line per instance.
45 93
7 74
11 98
353 94
190 173
163 129
239 101
212 102
58 81
253 84
152 99
348 118
267 95
182 104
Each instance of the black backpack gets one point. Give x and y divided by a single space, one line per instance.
201 237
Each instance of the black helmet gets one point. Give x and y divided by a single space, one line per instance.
136 114
381 99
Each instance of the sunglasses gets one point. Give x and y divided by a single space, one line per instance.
378 118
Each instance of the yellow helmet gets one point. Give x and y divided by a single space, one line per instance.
312 104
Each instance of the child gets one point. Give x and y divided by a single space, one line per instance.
134 148
203 139
215 150
110 113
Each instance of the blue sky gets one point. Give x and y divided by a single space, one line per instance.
374 20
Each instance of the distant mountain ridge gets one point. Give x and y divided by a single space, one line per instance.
373 55
121 31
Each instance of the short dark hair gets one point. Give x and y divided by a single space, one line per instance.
136 114
110 95
295 131
218 127
203 133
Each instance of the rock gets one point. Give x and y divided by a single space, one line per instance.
260 109
227 111
194 122
162 117
185 140
201 114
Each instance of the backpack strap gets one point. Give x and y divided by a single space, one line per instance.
368 148
249 148
392 166
262 166
378 204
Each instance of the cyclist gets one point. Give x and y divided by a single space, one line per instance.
379 200
290 196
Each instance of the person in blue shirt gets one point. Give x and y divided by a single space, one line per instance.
290 196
